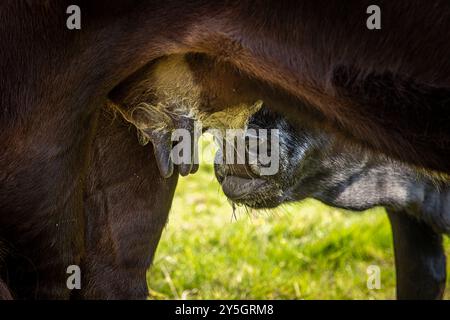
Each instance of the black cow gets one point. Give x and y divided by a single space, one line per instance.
314 164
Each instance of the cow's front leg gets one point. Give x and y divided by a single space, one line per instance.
419 258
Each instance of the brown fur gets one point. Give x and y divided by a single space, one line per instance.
386 90
126 205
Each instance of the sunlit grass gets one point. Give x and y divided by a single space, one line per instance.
300 251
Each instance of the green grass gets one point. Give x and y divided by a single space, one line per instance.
300 251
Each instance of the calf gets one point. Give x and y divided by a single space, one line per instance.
313 164
168 93
349 179
125 200
385 89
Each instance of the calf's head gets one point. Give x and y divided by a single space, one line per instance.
300 152
314 164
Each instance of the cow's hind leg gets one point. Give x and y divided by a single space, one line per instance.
126 205
419 258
